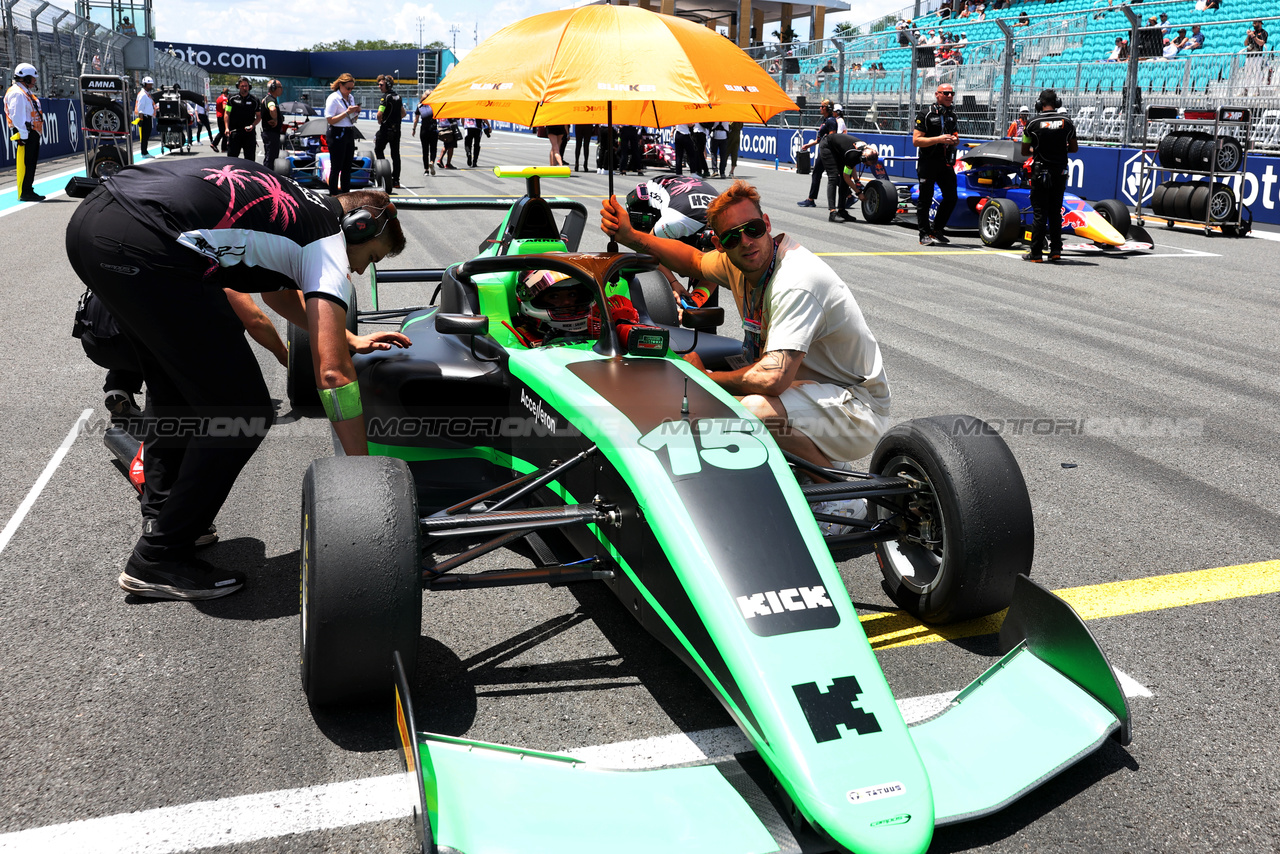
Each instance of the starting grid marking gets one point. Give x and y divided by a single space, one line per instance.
268 815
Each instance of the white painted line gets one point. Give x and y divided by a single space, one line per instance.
39 485
1266 235
1130 686
232 821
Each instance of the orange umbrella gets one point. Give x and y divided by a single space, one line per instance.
606 65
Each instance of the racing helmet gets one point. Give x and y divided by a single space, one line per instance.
567 311
25 69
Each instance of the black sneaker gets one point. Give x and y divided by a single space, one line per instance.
1033 257
941 240
926 240
1055 255
840 216
31 197
178 579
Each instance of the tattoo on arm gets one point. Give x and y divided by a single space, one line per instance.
777 361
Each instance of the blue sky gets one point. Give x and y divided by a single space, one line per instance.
292 24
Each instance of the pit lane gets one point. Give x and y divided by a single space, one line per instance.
1160 372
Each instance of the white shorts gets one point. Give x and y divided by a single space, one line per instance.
843 423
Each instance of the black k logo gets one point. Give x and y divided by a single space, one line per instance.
825 711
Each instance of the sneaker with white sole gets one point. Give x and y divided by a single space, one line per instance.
178 579
853 508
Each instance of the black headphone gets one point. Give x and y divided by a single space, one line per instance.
362 224
1051 101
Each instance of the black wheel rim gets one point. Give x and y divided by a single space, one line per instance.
916 558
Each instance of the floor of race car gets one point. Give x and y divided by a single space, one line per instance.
1138 393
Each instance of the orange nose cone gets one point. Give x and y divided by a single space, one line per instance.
1098 230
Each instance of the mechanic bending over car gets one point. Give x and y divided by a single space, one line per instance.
157 244
815 375
842 154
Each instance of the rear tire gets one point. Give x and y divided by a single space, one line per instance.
879 202
361 577
968 534
1000 224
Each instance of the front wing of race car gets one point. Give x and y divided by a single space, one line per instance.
1048 703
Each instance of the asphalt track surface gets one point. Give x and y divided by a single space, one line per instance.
1139 395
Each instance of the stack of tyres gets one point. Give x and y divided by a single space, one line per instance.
1197 151
1192 200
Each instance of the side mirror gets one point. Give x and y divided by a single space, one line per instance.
462 324
702 319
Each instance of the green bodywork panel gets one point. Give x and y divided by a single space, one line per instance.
485 798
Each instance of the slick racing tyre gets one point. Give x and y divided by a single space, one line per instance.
879 202
1162 197
361 578
1000 224
107 162
1180 208
1115 212
382 174
967 533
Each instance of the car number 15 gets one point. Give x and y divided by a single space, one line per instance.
725 443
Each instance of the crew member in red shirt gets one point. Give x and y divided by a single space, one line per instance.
219 142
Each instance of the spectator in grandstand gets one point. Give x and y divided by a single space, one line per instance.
1167 49
1208 4
901 28
982 11
828 68
1180 41
1165 26
936 135
1018 125
1196 40
1023 20
962 41
1255 40
944 11
127 28
1120 52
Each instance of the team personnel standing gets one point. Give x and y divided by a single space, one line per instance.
220 141
936 135
827 126
1048 138
244 111
157 244
430 133
340 111
272 123
815 377
1018 125
202 117
391 112
144 112
582 147
26 123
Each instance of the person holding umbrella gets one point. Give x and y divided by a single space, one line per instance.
815 376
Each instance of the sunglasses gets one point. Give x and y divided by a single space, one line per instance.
947 94
754 229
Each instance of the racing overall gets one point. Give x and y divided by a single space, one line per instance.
272 127
936 166
390 112
157 244
1051 136
241 116
26 123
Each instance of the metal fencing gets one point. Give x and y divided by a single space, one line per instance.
882 79
62 46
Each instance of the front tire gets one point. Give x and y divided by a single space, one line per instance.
968 533
879 202
361 577
1115 212
1000 225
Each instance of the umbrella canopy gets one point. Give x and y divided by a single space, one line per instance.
297 108
318 127
608 64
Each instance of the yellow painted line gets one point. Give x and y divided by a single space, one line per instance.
926 252
1113 599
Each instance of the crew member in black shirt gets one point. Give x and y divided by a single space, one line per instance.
828 125
272 124
390 113
243 115
157 244
936 135
1050 136
841 154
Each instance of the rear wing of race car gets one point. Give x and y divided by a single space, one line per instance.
1049 702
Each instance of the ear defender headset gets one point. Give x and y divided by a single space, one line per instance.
363 224
1048 98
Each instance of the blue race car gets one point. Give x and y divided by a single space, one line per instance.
304 157
993 198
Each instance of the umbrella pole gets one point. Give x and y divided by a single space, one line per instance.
613 244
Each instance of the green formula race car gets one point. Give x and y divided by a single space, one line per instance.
612 461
